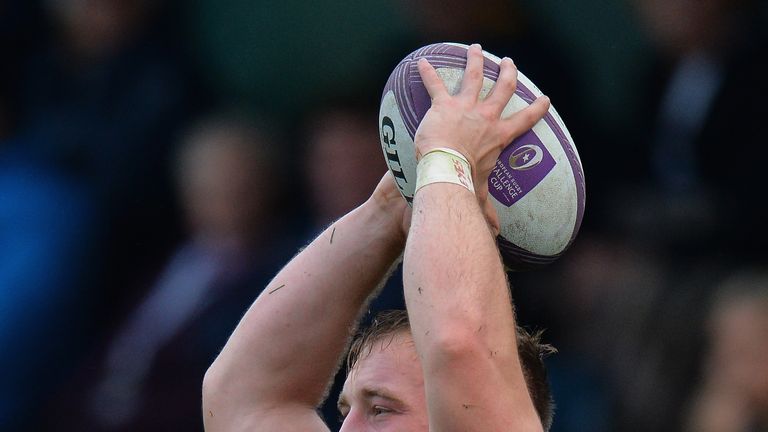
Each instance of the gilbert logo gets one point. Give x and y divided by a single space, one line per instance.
526 157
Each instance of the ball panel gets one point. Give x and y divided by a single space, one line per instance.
566 143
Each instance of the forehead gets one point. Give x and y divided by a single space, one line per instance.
392 364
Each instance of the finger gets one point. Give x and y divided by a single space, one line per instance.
505 85
491 216
432 81
472 81
523 120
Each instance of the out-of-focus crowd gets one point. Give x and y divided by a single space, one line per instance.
161 160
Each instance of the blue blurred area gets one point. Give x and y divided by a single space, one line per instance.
138 146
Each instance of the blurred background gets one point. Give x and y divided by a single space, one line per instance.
160 161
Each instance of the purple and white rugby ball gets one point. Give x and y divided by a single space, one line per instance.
537 186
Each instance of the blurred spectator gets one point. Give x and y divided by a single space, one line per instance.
673 205
46 232
102 98
733 391
101 102
597 304
343 160
149 374
692 168
87 112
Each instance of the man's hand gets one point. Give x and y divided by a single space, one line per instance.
391 204
474 127
471 126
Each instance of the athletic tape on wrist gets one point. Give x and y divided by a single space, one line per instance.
444 165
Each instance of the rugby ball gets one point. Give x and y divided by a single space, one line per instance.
537 185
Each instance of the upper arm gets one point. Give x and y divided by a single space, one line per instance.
228 408
288 418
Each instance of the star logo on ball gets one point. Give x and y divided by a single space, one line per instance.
526 157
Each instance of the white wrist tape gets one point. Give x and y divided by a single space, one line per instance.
444 165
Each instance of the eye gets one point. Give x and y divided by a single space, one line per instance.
377 410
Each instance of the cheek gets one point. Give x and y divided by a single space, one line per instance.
411 422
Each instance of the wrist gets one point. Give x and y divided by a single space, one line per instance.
444 165
384 214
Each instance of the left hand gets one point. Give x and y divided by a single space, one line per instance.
474 127
471 126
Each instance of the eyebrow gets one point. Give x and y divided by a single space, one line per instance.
370 393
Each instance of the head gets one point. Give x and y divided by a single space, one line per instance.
437 19
223 173
385 384
678 27
343 159
738 336
95 27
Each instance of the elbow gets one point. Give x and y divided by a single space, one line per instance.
452 345
212 383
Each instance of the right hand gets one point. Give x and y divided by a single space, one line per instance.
392 205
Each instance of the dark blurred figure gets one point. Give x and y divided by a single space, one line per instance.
688 176
103 97
149 373
93 97
20 33
343 160
674 206
101 102
733 389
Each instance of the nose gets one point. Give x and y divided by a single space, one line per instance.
352 423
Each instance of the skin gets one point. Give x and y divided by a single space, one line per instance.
734 394
273 371
385 389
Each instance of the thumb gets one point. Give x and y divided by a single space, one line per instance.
489 211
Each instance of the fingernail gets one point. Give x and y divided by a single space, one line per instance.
477 45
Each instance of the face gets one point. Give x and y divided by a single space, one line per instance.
740 352
224 189
385 390
345 163
681 26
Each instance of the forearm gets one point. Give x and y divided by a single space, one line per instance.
288 344
460 310
458 287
